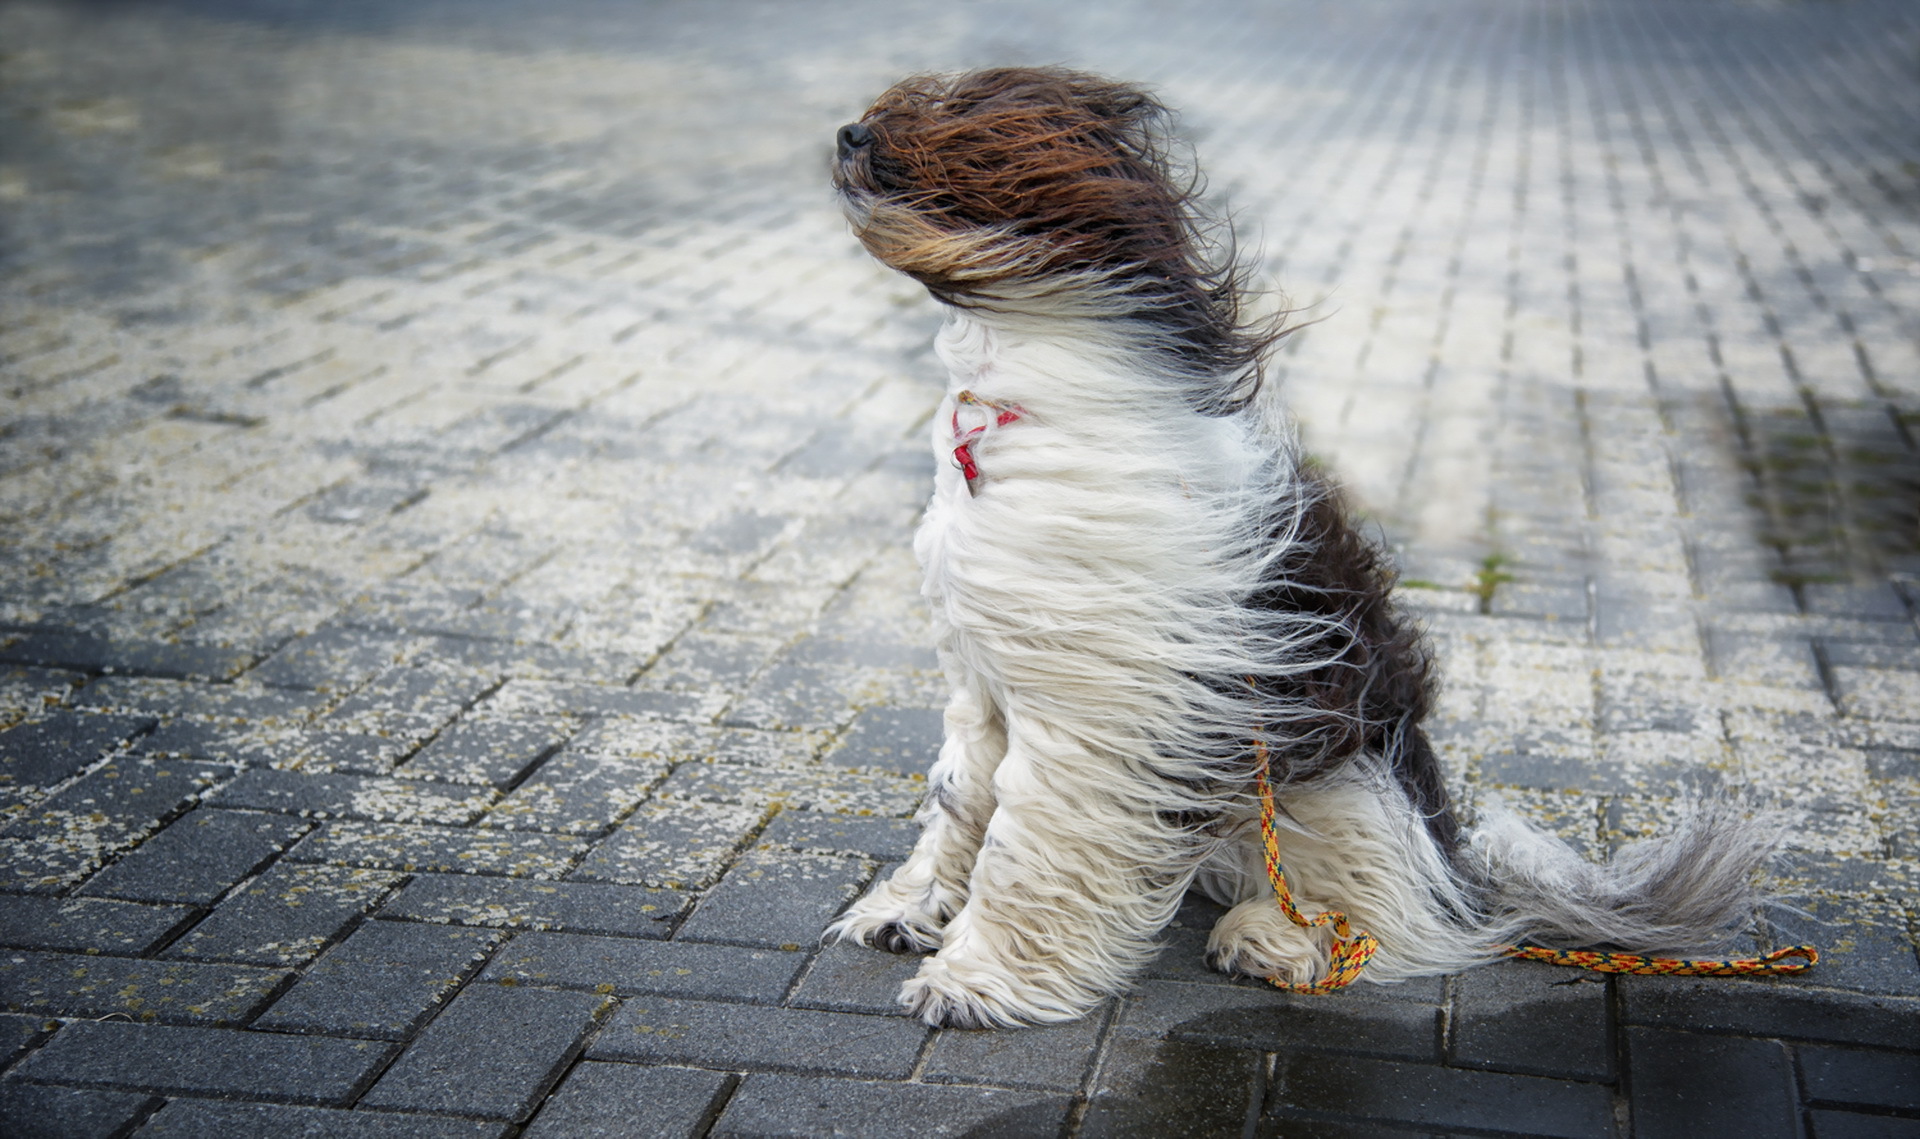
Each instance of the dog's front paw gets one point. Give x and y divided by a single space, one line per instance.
1258 940
890 918
964 992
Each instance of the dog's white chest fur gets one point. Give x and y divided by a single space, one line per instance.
1104 501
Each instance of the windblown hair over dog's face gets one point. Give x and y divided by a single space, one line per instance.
1053 191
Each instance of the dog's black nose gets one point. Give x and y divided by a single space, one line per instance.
853 137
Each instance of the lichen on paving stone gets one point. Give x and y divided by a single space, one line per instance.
672 844
578 793
62 838
1878 694
813 787
519 854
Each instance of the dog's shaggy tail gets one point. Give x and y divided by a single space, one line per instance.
1688 891
1360 847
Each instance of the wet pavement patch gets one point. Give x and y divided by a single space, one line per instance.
1839 486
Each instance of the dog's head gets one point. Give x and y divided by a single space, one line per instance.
968 181
1054 191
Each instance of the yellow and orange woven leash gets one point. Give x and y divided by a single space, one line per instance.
1352 951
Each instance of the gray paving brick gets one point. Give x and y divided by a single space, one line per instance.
526 697
1057 1058
704 659
1830 1124
818 833
401 846
1559 772
27 692
1319 1127
335 659
662 1030
1243 1016
680 844
64 838
1758 1009
18 1032
1877 693
307 749
215 1119
28 1111
383 981
41 753
603 670
197 857
1155 1087
795 697
582 794
286 916
83 652
577 907
906 740
1871 654
776 898
416 697
864 650
229 704
849 977
1858 1077
184 992
1762 659
492 1053
1524 1016
1866 945
1688 1084
827 788
1442 1098
87 924
499 752
769 1105
625 967
611 1101
659 739
1878 601
208 1061
355 797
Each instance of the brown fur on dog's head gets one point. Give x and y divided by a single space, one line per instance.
1010 186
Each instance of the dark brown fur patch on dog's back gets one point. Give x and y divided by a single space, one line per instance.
1380 684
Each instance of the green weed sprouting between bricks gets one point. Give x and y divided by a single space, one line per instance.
1485 580
1489 578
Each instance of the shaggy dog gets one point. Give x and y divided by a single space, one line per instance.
1142 591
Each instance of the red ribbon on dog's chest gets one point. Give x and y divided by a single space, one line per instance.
1004 413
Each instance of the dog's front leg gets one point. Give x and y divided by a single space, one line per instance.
908 912
1076 874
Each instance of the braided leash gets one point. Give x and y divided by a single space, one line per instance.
1352 951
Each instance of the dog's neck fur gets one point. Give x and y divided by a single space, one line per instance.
1083 376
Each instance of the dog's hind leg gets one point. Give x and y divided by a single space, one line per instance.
1255 937
908 912
1357 846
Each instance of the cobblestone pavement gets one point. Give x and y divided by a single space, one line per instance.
461 643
